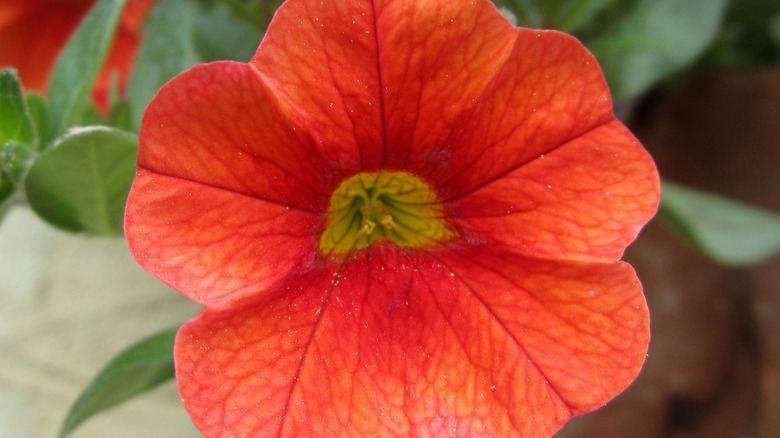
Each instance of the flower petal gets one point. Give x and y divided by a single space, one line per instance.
321 58
548 92
236 369
217 124
368 85
398 343
586 200
437 57
584 327
170 225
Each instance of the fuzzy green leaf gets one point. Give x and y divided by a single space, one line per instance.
17 135
82 182
15 123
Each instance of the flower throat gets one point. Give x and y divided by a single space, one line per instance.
396 206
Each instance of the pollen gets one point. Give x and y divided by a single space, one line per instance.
393 206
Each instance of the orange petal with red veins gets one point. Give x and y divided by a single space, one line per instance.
219 125
584 327
170 225
547 93
397 343
436 60
321 58
364 83
586 200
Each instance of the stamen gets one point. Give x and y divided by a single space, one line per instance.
375 197
368 227
387 221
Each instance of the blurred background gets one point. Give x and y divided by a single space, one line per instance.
697 81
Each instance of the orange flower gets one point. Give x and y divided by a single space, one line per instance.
33 32
404 218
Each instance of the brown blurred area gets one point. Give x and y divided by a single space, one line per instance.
713 368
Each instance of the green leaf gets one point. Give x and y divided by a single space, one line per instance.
41 119
655 40
774 30
527 12
121 116
572 15
80 62
17 135
15 123
14 159
221 35
81 183
139 368
731 233
165 52
7 188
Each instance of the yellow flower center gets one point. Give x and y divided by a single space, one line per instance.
396 206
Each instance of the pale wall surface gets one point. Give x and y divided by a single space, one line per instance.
68 304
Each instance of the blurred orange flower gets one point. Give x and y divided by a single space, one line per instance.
33 32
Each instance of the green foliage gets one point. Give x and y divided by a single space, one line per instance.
564 15
638 42
81 183
527 12
15 123
773 28
141 367
750 36
574 15
255 13
41 120
166 50
17 135
79 64
729 232
220 35
654 40
120 116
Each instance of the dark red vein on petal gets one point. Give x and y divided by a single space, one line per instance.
280 95
456 333
381 84
246 194
323 308
509 333
512 169
533 297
